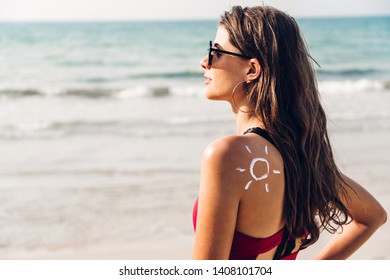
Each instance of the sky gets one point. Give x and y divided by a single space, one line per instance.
92 10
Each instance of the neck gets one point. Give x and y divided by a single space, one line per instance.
244 121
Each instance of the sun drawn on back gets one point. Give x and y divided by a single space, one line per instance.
251 169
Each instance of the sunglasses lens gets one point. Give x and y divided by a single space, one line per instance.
210 61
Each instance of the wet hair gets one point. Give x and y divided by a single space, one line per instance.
286 100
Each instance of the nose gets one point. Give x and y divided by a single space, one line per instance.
204 62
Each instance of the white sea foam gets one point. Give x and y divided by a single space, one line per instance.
365 86
139 91
191 89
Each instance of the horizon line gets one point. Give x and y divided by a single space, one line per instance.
174 19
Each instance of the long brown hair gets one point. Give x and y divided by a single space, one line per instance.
286 100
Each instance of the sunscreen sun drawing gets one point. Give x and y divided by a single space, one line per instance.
252 166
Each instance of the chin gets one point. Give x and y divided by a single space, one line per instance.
212 96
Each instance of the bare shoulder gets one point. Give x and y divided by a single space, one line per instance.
236 148
225 152
237 160
220 158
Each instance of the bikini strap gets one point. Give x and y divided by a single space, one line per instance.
261 132
286 247
282 245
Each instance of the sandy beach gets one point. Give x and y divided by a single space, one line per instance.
363 155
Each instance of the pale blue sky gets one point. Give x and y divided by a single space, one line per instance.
176 9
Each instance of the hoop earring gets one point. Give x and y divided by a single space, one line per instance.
234 103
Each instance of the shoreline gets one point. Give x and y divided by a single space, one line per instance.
362 155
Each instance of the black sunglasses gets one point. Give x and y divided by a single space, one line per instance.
211 50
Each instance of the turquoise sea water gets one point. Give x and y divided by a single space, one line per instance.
52 58
102 124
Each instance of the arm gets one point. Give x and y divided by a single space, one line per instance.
217 205
368 215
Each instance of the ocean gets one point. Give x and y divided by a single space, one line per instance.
103 124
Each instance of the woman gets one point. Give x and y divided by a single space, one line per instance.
268 191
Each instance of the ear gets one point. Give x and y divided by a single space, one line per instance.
254 70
